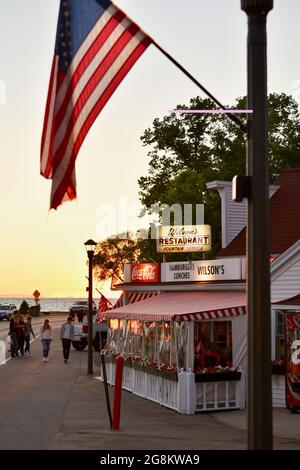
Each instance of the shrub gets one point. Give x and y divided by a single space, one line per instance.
24 308
34 310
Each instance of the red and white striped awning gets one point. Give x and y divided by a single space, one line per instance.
184 306
133 297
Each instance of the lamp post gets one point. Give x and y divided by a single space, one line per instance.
90 248
259 400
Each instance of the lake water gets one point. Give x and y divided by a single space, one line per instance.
47 304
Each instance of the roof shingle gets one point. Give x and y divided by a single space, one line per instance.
284 217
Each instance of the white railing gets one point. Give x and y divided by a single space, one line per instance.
152 388
221 395
110 372
184 395
169 393
138 382
127 378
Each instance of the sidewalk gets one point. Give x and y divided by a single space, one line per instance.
58 406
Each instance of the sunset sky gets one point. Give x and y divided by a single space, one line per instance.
44 250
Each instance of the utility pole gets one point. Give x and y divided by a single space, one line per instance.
259 400
90 314
90 248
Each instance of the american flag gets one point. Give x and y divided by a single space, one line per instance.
103 304
96 46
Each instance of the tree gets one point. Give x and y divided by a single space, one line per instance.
112 253
24 308
188 150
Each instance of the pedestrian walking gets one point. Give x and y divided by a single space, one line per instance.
80 316
46 338
21 335
28 332
14 334
66 336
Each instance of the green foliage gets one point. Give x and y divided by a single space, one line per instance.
188 150
111 254
24 308
34 310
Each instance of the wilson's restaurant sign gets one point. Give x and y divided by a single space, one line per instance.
183 239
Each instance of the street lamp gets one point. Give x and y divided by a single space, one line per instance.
258 243
90 248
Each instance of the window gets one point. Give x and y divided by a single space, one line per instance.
280 343
165 343
213 344
149 340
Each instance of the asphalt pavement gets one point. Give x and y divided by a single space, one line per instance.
59 406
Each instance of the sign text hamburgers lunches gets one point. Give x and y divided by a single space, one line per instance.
183 238
210 270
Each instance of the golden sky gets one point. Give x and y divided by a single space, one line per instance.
45 251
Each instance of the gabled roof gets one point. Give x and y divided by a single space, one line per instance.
284 217
291 301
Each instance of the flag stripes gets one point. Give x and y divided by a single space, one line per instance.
77 95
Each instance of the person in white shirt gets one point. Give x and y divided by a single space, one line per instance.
66 336
46 337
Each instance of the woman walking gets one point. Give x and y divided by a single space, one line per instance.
46 337
21 335
28 332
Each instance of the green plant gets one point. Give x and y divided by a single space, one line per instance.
34 310
24 308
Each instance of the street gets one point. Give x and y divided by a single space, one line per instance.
58 406
37 323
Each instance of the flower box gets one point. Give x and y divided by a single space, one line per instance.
151 370
169 375
137 366
217 376
128 362
108 358
278 369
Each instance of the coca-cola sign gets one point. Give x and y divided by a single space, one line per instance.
145 272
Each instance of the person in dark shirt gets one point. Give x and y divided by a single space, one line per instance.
14 334
28 332
21 335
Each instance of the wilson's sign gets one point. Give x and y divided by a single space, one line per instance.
212 270
183 239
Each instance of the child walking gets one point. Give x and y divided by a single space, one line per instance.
46 337
28 332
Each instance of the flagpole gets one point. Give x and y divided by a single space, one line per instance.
232 117
105 297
